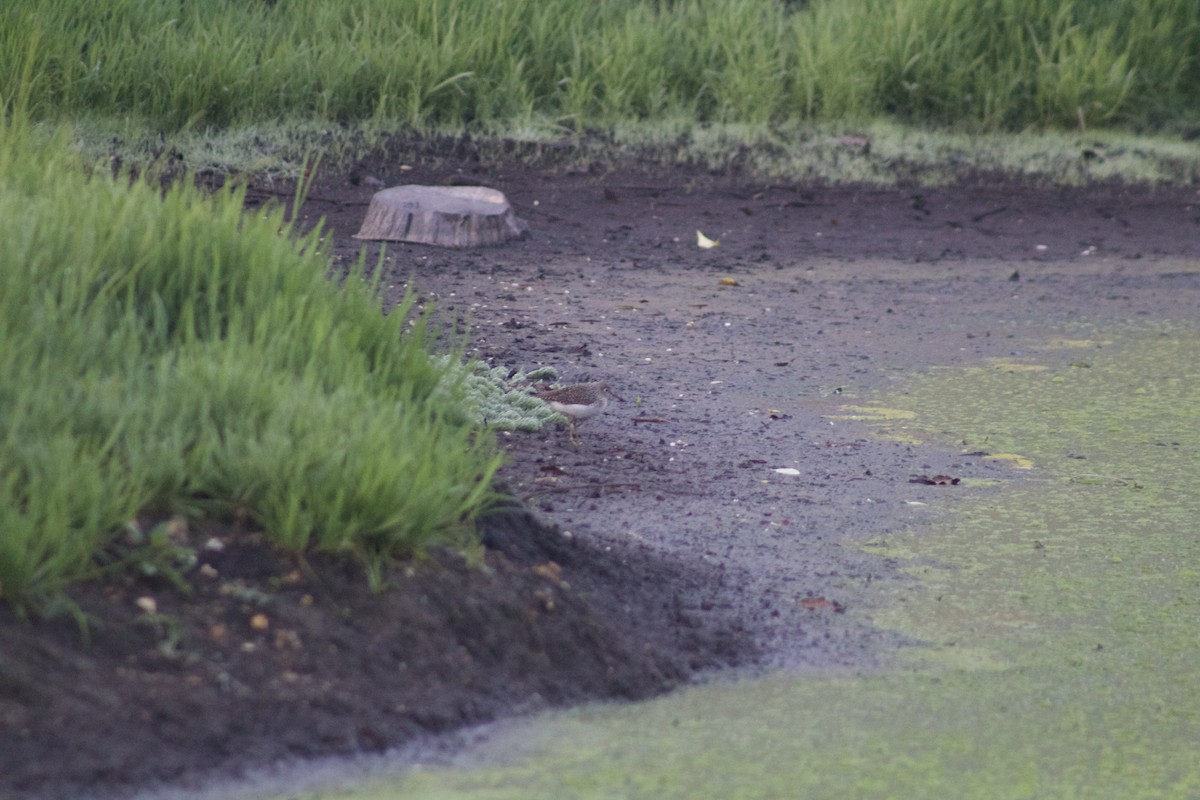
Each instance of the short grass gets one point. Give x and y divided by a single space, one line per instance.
165 353
978 65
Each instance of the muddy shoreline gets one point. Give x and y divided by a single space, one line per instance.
665 545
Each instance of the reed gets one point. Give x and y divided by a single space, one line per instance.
983 65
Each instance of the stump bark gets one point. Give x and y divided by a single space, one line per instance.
446 216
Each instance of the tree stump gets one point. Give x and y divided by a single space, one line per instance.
447 216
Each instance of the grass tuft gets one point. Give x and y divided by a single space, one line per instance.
165 352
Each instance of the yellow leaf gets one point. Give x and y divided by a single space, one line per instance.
704 242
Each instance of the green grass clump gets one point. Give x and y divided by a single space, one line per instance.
164 352
983 65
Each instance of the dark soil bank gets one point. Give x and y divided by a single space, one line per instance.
664 545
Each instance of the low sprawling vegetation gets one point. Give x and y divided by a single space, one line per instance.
165 353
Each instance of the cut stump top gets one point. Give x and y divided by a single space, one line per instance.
447 216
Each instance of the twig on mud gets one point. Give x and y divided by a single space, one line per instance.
986 214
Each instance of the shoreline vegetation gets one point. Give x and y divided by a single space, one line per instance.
1000 65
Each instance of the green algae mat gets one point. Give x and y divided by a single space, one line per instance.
1055 615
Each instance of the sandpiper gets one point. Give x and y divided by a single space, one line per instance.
578 402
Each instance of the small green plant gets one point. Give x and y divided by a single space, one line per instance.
168 631
499 397
162 552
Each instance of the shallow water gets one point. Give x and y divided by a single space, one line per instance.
1058 617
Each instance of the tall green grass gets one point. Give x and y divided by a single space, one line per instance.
984 65
164 352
